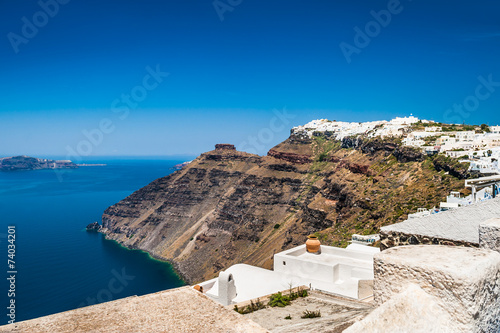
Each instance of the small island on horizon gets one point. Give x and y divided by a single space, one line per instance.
24 162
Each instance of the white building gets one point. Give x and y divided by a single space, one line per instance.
489 140
456 154
485 165
335 270
412 141
445 139
346 272
405 120
465 136
495 129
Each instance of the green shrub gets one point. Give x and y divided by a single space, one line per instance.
250 308
322 157
278 300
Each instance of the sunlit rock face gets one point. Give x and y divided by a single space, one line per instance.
464 282
228 207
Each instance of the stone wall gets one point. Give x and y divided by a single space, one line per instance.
489 235
461 285
390 239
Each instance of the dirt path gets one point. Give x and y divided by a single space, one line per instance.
191 231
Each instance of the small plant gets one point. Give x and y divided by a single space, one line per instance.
278 300
276 226
281 301
311 314
322 157
250 308
300 293
288 317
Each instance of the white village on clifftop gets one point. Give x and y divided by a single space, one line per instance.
479 146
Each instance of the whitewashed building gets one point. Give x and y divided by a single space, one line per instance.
485 165
433 129
346 272
495 129
465 136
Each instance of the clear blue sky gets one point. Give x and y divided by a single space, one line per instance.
71 71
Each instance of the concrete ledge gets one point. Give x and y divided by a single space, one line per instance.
465 282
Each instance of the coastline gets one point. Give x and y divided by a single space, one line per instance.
175 266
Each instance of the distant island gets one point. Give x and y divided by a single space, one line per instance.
32 163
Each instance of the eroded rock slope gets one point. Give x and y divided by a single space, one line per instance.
230 207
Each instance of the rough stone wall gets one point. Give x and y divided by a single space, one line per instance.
411 311
465 282
489 235
391 239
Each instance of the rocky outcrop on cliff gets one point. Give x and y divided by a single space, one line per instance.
229 207
94 226
290 157
454 167
388 146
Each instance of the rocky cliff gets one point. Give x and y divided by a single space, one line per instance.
229 207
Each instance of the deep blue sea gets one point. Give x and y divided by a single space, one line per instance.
60 266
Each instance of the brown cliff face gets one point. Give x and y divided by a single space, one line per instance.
229 207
